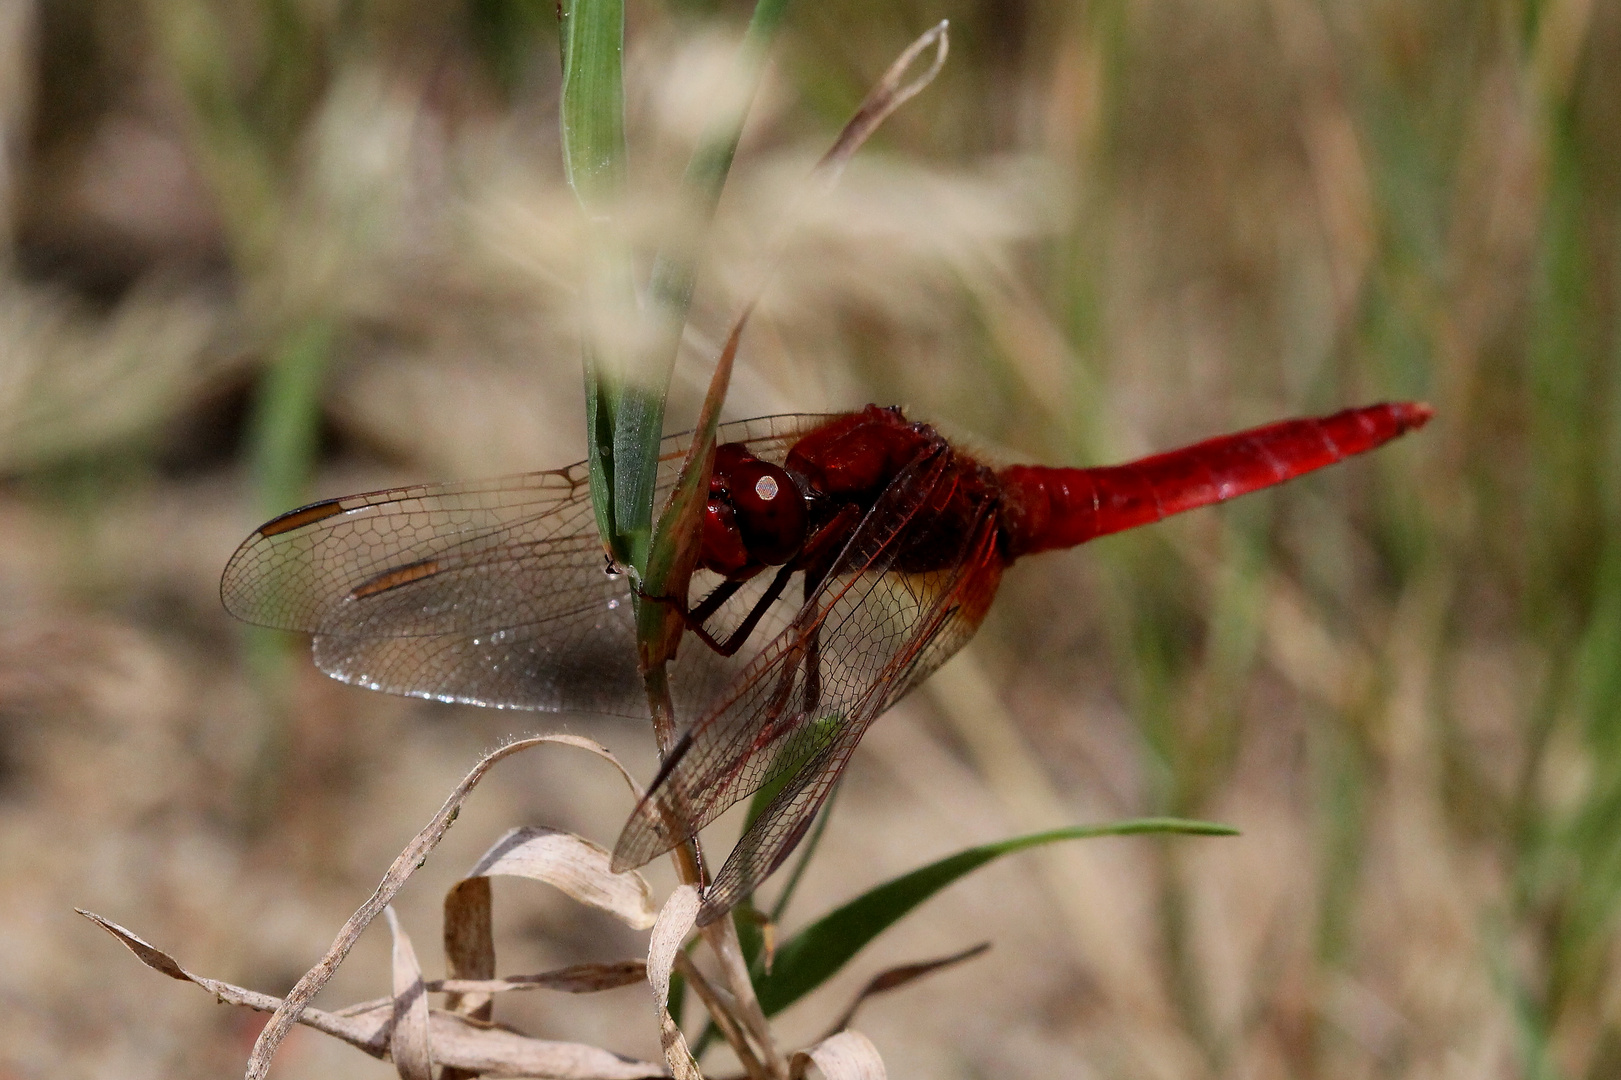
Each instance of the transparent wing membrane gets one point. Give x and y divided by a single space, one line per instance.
492 592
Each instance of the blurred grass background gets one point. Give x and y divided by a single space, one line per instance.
257 251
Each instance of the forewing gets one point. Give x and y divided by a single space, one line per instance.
493 592
853 648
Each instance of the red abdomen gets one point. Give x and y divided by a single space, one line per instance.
1045 508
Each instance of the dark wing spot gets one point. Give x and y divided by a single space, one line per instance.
297 519
393 579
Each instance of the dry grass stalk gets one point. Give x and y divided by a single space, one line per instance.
455 1041
409 860
675 922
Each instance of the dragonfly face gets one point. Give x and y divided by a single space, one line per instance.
756 515
761 514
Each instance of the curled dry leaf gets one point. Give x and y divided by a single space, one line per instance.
468 930
469 937
849 1055
478 1049
408 1041
576 866
404 865
887 95
487 1050
674 923
896 977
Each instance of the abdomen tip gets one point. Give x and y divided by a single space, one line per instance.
1413 414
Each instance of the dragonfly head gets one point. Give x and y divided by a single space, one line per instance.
756 514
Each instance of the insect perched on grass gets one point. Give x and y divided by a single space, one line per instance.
843 558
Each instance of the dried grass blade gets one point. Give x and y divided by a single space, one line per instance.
354 1031
477 1049
887 95
576 866
897 977
721 936
487 1050
408 1039
468 933
469 937
414 855
849 1055
675 922
575 979
591 746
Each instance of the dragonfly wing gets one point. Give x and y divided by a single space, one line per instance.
535 626
780 826
306 569
954 618
860 642
493 592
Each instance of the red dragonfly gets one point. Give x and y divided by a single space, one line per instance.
843 559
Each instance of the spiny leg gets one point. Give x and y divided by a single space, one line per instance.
694 618
710 604
735 640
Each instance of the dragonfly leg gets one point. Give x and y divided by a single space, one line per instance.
736 638
821 545
813 662
694 618
815 560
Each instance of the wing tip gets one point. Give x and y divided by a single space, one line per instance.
239 597
712 908
240 594
642 840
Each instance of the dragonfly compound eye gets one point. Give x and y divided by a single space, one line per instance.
723 549
770 511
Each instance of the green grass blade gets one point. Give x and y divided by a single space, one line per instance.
810 957
639 421
592 116
593 99
599 449
711 162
